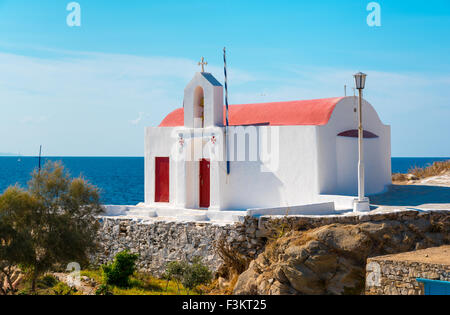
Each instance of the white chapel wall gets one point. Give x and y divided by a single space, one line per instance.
159 142
292 181
305 161
338 156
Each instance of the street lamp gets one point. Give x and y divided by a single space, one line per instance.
362 204
360 80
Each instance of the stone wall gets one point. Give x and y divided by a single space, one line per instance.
303 223
390 276
159 242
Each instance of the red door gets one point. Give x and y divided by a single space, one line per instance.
162 182
204 183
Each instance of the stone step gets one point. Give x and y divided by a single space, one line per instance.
142 213
192 217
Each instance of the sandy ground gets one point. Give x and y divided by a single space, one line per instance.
434 255
427 194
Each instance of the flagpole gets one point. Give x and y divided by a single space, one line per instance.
40 154
226 104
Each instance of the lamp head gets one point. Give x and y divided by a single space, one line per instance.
360 80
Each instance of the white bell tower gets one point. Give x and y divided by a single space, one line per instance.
203 101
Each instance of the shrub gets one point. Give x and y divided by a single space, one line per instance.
47 281
118 273
196 274
190 275
103 290
435 169
63 289
175 270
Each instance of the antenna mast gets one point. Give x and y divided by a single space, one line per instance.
40 153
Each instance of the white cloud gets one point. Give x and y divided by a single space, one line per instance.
87 96
139 119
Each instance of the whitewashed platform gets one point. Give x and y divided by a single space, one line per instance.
142 212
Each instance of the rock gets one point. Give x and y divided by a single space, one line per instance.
246 284
223 283
318 243
331 259
303 280
279 288
412 177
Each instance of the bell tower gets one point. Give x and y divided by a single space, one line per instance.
203 101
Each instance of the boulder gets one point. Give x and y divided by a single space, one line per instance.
331 259
412 177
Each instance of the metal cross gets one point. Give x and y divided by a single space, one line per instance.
203 64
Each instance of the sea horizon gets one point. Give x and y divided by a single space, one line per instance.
121 178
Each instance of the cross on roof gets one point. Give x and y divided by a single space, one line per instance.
203 63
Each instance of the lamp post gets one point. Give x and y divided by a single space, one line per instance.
362 204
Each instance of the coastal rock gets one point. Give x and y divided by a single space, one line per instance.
412 177
331 259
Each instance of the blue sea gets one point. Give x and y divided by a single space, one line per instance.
121 179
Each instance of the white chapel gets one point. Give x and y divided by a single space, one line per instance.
271 158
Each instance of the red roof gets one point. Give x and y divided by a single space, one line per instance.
312 112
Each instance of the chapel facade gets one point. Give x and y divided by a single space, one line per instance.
271 155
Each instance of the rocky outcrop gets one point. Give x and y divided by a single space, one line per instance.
331 259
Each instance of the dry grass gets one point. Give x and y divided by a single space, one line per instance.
215 289
234 263
436 169
398 177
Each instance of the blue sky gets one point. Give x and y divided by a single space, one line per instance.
91 90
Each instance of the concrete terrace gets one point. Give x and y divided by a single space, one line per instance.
430 194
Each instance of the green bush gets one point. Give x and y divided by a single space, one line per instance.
190 275
47 281
103 290
175 270
63 289
196 274
118 273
